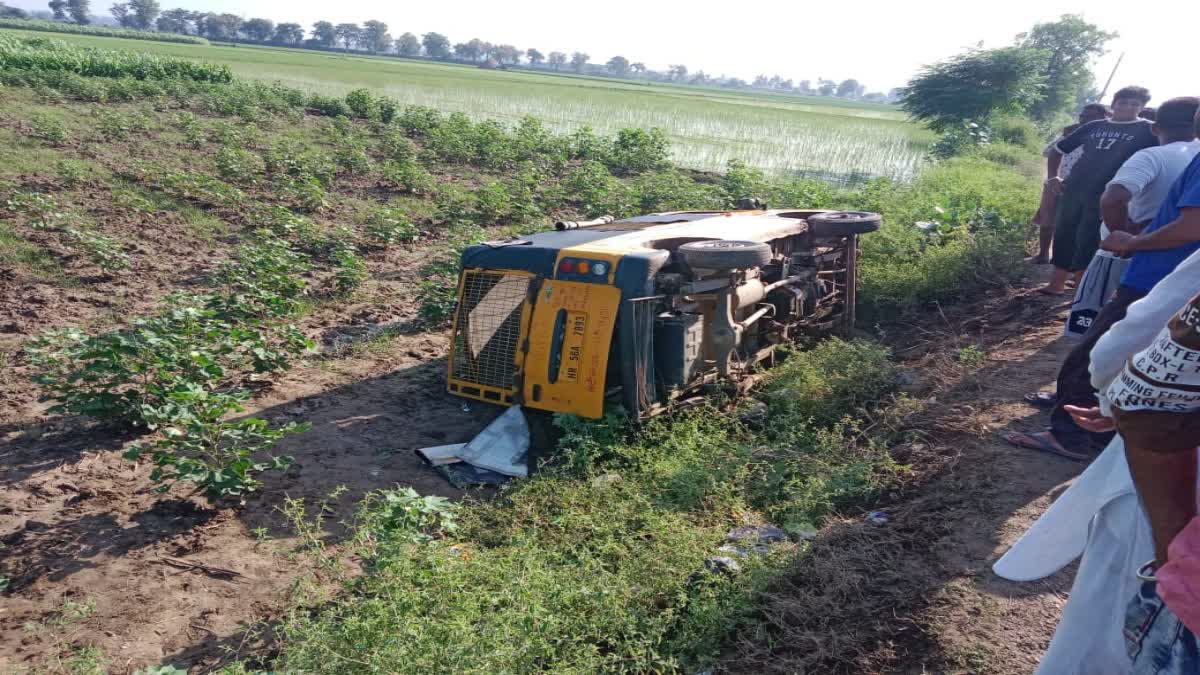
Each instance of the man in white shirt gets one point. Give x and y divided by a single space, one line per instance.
1130 200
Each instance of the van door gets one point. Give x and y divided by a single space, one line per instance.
568 345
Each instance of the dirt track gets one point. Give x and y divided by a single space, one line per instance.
81 526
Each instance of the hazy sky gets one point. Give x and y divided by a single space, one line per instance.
879 42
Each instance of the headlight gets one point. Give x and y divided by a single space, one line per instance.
600 269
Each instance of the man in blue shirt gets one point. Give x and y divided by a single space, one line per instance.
1172 236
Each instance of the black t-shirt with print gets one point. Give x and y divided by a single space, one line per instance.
1106 145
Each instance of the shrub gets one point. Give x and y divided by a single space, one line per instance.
638 150
47 128
389 226
742 181
71 172
492 204
42 212
199 444
596 192
105 252
452 140
329 106
439 278
419 121
350 155
350 271
1017 131
193 133
237 165
585 144
112 124
453 206
407 176
362 104
394 145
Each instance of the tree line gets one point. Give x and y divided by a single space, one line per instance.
373 37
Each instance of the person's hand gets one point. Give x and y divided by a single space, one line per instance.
1091 419
1117 241
1054 185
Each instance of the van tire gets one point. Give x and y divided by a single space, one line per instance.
843 223
722 254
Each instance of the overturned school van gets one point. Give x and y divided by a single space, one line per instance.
644 311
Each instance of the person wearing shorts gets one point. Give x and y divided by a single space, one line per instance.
1106 145
1059 166
1131 200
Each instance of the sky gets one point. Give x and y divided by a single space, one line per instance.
879 42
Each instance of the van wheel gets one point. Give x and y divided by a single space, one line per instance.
720 254
843 223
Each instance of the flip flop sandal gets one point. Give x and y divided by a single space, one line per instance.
1032 442
1043 400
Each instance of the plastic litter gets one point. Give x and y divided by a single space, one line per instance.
877 518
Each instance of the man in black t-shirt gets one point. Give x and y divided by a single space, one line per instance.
1106 145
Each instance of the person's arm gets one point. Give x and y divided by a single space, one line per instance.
1182 231
1166 484
1114 208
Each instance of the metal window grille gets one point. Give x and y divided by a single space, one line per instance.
488 328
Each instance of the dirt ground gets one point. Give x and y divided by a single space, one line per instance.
96 559
918 595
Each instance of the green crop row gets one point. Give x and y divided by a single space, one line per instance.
43 54
101 31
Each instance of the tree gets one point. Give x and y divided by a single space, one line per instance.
535 57
289 34
826 87
80 11
849 88
618 65
804 87
557 60
469 51
578 61
677 72
59 7
700 77
219 26
1071 44
408 45
324 33
507 55
975 84
375 37
259 30
638 67
120 12
139 13
175 21
7 12
437 46
348 34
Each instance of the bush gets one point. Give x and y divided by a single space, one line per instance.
329 106
105 252
362 104
71 172
350 272
389 226
237 165
407 176
419 121
638 150
1017 131
47 128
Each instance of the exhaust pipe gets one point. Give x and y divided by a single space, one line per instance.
578 224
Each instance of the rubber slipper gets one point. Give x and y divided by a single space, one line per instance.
1043 400
1041 444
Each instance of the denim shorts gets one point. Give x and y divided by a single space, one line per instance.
1157 642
